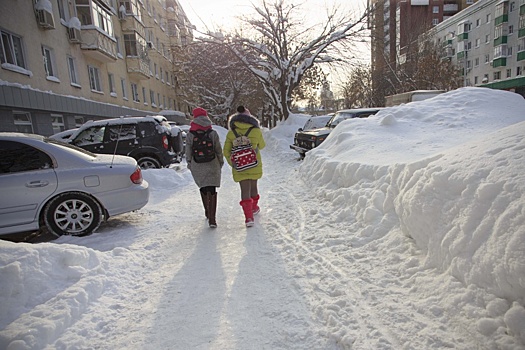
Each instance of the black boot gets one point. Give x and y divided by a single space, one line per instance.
205 203
212 209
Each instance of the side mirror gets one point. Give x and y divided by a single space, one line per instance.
300 129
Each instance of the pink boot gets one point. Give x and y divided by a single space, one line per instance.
247 206
255 207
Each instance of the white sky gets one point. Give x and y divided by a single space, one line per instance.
219 13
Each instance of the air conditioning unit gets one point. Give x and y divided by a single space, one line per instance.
73 35
45 19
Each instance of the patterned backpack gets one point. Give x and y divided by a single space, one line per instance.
243 155
202 149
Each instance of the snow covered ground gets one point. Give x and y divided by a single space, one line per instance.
405 230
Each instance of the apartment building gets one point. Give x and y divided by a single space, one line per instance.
63 62
396 26
397 23
488 41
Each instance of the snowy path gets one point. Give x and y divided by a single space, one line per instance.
297 280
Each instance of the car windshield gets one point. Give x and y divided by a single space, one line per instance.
71 148
339 117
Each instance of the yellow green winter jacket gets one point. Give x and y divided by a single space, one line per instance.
241 123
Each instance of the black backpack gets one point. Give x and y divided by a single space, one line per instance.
202 149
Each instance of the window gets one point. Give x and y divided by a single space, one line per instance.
509 50
475 80
478 40
63 9
152 98
18 157
94 79
73 78
49 62
79 121
511 29
500 51
112 89
435 21
435 9
476 62
12 51
487 39
124 90
161 75
23 122
135 92
497 75
512 6
57 121
478 22
509 73
131 44
485 78
519 70
144 96
119 50
488 18
132 8
95 15
487 59
158 99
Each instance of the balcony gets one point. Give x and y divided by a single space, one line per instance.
450 8
137 67
132 24
97 45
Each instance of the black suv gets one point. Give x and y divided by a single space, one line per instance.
305 140
147 139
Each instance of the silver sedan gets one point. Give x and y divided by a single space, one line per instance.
46 183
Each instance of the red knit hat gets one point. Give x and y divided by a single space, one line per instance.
198 112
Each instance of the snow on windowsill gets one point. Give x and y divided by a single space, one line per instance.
53 79
76 85
15 68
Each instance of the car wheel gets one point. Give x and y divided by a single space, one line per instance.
148 163
74 214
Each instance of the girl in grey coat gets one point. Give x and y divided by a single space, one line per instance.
207 175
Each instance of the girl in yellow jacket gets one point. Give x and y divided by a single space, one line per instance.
241 123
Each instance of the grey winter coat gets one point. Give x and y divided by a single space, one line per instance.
205 174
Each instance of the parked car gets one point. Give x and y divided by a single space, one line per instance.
305 140
63 135
147 139
316 121
66 189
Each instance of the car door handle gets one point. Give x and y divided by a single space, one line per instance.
34 184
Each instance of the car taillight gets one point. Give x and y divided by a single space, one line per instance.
136 177
165 141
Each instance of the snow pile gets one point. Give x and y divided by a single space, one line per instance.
450 173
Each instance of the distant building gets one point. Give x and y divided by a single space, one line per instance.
397 24
487 41
63 62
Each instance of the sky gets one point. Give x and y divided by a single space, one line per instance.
405 230
220 13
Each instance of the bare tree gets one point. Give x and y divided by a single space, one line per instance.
357 90
278 51
211 76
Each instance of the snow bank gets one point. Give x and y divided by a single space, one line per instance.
449 171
